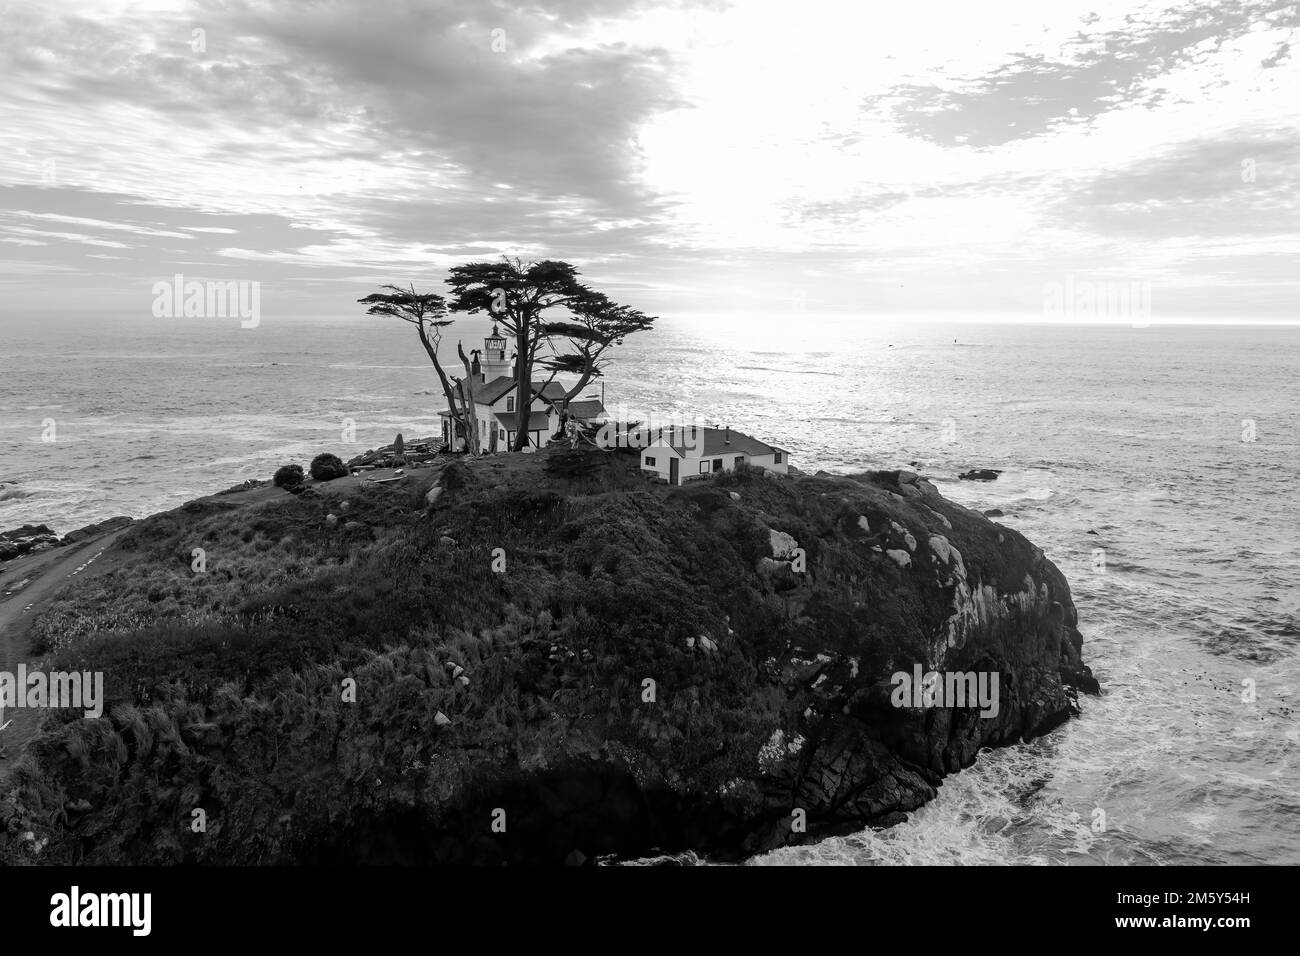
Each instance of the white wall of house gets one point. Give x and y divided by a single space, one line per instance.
771 464
655 459
487 418
694 467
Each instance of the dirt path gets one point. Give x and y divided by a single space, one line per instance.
26 585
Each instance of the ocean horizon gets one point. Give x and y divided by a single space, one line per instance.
1168 451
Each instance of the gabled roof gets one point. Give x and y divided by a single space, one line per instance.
502 385
510 421
587 408
715 441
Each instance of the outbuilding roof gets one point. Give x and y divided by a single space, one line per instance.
510 421
587 408
708 442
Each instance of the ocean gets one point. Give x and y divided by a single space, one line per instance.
1156 466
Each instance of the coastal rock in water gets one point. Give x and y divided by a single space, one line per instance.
980 474
25 540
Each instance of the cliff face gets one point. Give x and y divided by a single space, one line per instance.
551 668
929 585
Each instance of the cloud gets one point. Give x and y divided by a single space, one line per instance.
704 155
1243 185
1095 72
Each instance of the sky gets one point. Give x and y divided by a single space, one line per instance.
949 159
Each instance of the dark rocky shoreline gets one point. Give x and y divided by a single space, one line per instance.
33 538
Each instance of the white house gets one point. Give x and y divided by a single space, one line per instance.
682 454
495 408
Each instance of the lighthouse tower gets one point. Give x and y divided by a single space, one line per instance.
495 364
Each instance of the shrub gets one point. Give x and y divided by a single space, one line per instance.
288 476
454 476
327 467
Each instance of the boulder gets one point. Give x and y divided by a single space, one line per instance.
980 474
782 544
905 534
25 540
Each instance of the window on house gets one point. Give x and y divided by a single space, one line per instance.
650 462
717 464
740 460
777 459
510 404
502 436
705 467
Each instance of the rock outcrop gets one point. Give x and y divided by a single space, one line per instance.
93 530
399 453
618 670
25 540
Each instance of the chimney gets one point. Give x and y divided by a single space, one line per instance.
726 436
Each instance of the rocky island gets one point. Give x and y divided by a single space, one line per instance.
529 659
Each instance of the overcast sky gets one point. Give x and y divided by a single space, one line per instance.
944 158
